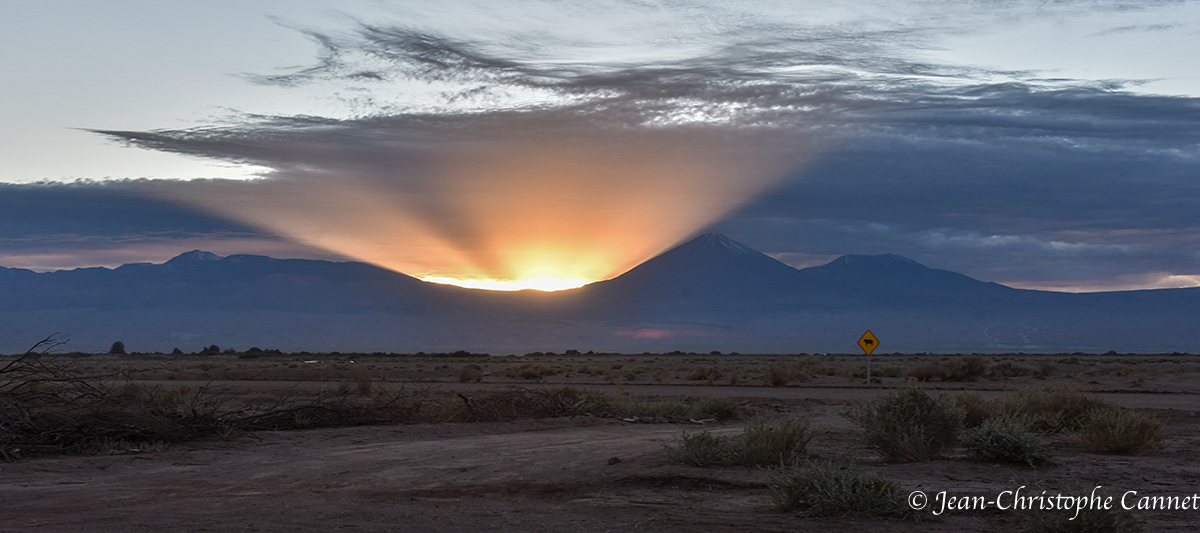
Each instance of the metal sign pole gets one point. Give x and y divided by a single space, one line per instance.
868 343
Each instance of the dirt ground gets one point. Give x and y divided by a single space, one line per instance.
583 473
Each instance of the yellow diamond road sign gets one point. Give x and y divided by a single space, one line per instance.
868 342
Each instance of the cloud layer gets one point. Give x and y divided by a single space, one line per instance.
490 146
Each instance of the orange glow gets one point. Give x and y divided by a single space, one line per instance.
540 284
544 211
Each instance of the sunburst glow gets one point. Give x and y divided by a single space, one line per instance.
539 284
509 211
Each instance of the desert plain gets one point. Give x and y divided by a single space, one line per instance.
602 464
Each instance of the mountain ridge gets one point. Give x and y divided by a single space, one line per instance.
709 293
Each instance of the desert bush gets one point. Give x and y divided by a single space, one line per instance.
470 372
975 408
780 375
1010 369
772 443
50 408
1006 440
762 443
925 371
719 408
909 425
671 409
1053 410
1092 520
708 373
965 368
701 449
530 371
520 403
1120 431
827 490
887 371
1045 368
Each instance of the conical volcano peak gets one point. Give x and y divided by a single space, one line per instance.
716 242
194 256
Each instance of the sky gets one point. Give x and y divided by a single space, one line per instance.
1039 144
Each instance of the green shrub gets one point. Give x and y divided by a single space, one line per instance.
1055 410
1120 431
1006 440
908 425
1100 520
826 490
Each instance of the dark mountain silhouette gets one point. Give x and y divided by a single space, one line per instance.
710 293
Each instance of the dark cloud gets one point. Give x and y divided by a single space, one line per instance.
49 226
108 209
1011 184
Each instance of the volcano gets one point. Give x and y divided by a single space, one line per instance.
710 293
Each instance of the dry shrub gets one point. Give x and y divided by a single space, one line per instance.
924 371
1120 431
762 443
827 490
677 409
1053 410
49 408
719 408
520 403
975 408
780 375
964 368
1006 440
909 425
708 373
530 371
470 372
668 409
887 371
1010 369
1045 368
773 443
700 449
1090 520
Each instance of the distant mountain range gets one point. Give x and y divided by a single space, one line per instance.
710 293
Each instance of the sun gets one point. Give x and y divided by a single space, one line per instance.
538 284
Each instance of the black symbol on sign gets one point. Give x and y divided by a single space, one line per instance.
868 341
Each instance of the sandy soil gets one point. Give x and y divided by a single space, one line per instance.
568 474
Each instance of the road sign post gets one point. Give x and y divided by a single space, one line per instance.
868 343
